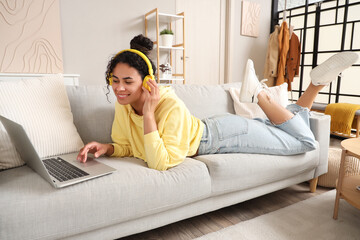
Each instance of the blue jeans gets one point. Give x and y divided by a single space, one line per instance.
235 134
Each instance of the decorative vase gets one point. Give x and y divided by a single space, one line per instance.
166 76
167 40
166 72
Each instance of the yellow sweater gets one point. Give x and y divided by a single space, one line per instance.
178 135
342 116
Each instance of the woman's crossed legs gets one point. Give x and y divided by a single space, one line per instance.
287 130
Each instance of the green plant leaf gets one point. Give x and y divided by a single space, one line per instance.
166 31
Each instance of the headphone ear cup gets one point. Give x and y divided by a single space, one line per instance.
146 79
111 79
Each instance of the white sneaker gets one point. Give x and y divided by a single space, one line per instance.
328 71
250 85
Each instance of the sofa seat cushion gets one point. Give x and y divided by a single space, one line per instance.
233 172
30 204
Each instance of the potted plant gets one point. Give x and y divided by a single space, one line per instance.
167 37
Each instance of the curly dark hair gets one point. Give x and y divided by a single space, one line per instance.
140 43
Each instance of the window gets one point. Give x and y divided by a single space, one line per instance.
324 28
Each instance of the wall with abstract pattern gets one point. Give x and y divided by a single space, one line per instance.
30 36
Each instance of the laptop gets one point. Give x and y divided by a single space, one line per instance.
60 171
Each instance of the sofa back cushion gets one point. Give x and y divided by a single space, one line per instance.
206 100
42 107
93 113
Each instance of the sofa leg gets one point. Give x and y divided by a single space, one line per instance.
313 183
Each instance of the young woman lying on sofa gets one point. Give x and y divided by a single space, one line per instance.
153 124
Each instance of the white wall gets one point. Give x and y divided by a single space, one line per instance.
244 47
93 31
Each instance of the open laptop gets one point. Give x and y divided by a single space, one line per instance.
60 171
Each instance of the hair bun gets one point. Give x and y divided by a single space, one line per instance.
142 43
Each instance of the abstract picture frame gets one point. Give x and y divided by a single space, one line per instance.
250 19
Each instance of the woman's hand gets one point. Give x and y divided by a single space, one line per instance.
151 101
151 98
95 148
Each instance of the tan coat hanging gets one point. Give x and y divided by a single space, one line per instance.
272 57
283 51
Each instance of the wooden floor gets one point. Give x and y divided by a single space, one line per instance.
214 221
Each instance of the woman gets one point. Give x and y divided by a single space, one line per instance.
157 127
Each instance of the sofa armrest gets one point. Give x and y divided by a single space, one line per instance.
320 126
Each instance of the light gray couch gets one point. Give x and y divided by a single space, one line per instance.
136 198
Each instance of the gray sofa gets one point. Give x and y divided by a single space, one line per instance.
135 198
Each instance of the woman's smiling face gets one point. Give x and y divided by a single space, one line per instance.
127 84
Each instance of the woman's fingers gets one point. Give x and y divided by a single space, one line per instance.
82 156
146 92
153 87
100 151
88 148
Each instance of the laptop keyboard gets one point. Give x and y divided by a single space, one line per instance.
62 170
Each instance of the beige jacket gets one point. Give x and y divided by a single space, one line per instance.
272 57
284 48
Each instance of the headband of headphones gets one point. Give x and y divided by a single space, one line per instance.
146 59
143 56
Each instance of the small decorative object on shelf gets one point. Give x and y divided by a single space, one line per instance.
166 71
167 37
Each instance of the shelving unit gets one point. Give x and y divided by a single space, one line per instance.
168 19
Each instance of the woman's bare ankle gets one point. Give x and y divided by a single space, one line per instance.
264 96
276 113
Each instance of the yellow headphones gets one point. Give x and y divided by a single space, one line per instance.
143 56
